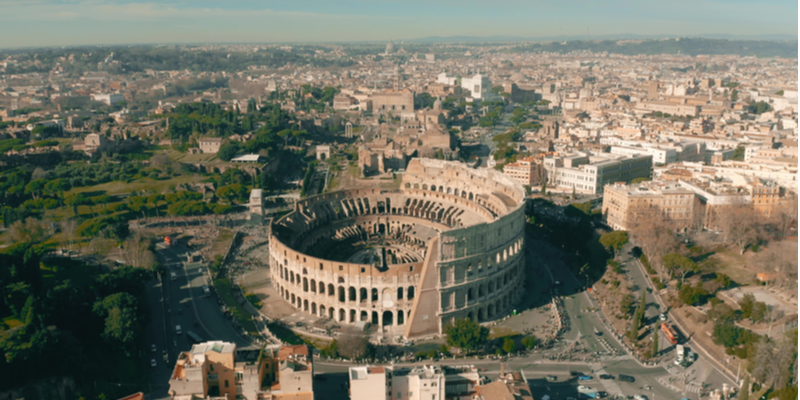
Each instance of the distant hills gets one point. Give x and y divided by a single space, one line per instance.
635 45
622 36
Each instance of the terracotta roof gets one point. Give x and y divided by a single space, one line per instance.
136 396
296 350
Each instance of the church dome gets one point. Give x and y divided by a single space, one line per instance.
437 105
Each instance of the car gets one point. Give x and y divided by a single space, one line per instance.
557 282
626 378
200 270
602 394
551 378
153 363
576 373
662 316
408 344
584 388
178 329
585 377
153 348
606 376
640 397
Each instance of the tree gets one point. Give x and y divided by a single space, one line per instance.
508 345
228 151
233 192
740 224
354 344
654 234
679 265
654 343
123 319
529 341
625 304
691 295
721 312
136 252
466 334
746 304
785 216
30 231
614 240
744 391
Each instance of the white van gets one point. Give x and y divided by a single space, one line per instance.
173 276
178 330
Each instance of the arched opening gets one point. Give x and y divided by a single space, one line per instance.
400 318
400 293
481 315
331 311
314 286
410 292
314 308
352 316
470 294
331 290
341 294
352 294
387 318
374 318
305 284
291 276
480 291
341 314
364 316
363 293
321 288
341 280
375 295
305 305
471 316
293 299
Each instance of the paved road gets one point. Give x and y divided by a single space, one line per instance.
184 305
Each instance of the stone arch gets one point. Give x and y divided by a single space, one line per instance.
433 188
410 294
471 316
293 298
342 314
481 315
313 286
331 312
400 317
340 280
352 316
400 293
341 294
352 294
363 294
387 318
291 276
364 316
305 305
305 284
314 308
331 290
470 294
424 186
374 294
321 287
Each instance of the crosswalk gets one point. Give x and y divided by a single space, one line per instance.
609 385
690 388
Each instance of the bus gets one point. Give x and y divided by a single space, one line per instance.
170 241
193 337
669 333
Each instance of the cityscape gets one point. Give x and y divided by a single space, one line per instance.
454 212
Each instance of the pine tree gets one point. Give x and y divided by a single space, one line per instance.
654 344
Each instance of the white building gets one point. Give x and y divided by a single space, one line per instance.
588 174
479 86
109 98
388 383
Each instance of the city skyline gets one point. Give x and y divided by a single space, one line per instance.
69 23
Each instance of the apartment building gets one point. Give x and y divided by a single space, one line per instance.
667 107
209 145
624 205
590 174
218 370
525 171
506 387
427 382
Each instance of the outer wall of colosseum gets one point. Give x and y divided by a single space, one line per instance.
457 235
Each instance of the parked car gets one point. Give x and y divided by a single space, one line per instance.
662 316
552 378
153 363
585 377
626 378
640 397
606 376
178 330
153 348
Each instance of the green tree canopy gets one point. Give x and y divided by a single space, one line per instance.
466 334
614 240
508 345
679 265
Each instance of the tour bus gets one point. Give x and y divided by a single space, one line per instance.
193 337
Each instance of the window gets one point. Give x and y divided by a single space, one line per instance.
399 395
213 377
211 367
226 383
341 268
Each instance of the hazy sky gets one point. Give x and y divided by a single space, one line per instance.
74 22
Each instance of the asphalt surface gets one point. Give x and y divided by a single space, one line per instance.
180 302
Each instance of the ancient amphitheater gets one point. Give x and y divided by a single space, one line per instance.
446 245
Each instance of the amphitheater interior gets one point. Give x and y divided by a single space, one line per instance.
446 245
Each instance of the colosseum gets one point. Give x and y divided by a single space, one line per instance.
446 245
